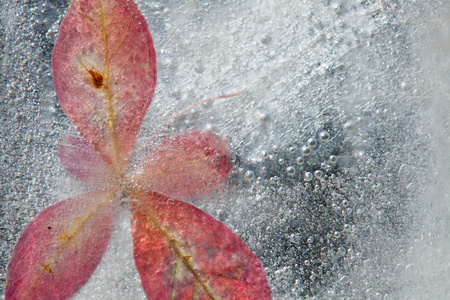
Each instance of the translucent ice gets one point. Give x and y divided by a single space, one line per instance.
372 75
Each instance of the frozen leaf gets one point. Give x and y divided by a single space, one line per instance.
61 247
183 253
104 73
81 160
187 165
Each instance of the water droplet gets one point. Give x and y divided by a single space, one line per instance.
337 234
306 150
291 150
324 136
308 176
345 203
281 161
347 227
290 171
300 160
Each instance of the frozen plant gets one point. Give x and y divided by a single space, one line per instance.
104 68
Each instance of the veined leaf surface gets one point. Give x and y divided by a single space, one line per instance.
187 165
61 247
183 253
82 161
104 73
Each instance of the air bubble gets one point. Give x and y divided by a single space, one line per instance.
337 234
290 171
300 160
263 170
338 8
278 273
333 159
264 155
281 161
249 175
273 180
347 227
345 203
207 104
266 39
308 176
282 272
344 279
411 271
319 174
275 148
350 126
325 167
324 136
291 150
264 119
306 150
312 143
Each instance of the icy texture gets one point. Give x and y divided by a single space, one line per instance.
364 214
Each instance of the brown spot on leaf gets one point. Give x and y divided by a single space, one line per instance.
186 258
97 79
46 267
64 238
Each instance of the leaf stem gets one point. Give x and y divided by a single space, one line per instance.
111 114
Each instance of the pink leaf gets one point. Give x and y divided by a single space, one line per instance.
104 73
61 247
81 160
188 165
183 253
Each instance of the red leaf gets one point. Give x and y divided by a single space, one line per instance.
61 247
104 73
183 253
81 160
188 165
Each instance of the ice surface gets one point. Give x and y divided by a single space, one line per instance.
373 74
